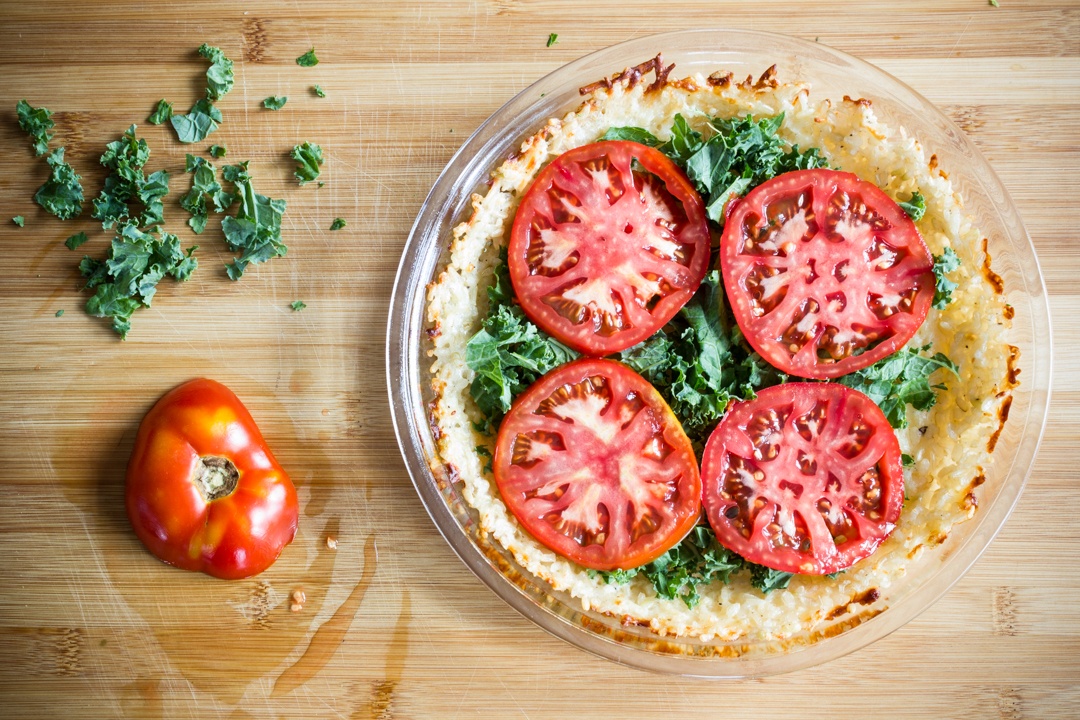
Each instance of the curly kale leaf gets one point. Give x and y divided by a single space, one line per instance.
901 379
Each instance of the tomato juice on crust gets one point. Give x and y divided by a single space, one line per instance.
946 444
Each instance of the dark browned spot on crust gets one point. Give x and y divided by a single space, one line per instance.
255 42
858 101
1014 372
1003 415
914 551
1009 312
992 277
939 538
433 421
434 332
933 162
867 597
631 76
720 79
767 79
970 502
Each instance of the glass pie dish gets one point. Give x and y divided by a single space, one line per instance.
832 74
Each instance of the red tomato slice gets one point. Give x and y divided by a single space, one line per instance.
825 273
604 251
804 478
591 460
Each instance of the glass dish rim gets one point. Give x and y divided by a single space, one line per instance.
402 374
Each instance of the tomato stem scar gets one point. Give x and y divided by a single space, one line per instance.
216 477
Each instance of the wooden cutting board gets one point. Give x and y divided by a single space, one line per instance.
394 625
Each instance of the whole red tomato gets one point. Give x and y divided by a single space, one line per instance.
204 492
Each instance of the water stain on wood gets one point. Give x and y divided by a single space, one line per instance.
142 698
328 638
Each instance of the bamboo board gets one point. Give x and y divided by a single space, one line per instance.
394 625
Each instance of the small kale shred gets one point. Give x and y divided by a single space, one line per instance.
317 89
297 305
36 122
275 102
741 154
219 76
552 39
127 279
698 560
204 118
699 362
944 263
218 151
308 59
204 186
508 353
76 240
766 579
309 158
62 193
915 207
200 121
906 460
19 220
126 184
338 224
161 113
255 232
899 380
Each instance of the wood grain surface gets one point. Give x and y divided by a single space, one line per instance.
394 625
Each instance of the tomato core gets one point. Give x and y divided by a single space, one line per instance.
215 477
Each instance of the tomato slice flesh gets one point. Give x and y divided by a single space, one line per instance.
593 463
608 243
805 478
824 272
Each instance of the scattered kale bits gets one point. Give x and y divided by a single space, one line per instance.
161 113
552 39
338 224
899 380
255 231
127 279
317 89
915 207
36 122
75 240
19 220
204 187
298 305
309 158
204 118
275 102
62 193
308 59
218 151
944 263
741 154
127 184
